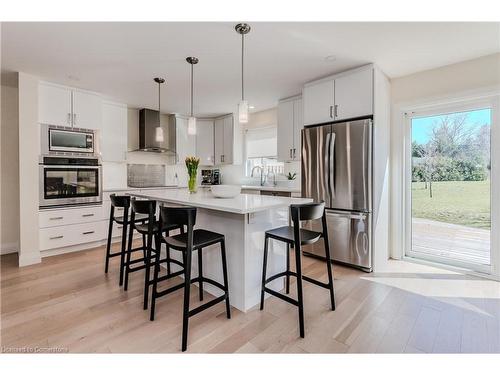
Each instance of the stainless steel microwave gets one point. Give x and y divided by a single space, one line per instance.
62 140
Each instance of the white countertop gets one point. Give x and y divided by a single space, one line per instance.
241 204
272 188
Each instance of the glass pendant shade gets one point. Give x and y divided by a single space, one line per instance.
243 112
159 134
192 125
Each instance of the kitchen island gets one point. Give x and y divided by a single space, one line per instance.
243 220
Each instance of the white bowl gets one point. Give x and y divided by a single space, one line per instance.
226 191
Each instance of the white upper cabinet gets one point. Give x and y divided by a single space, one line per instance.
87 110
65 106
319 99
354 95
185 143
114 132
223 140
205 141
343 96
290 124
54 105
298 125
285 130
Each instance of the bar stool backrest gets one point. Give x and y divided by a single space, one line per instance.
147 207
178 216
120 200
307 211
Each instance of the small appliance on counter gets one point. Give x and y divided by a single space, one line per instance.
210 177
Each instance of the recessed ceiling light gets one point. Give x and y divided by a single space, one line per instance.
330 58
251 107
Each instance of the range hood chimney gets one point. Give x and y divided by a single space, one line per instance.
153 138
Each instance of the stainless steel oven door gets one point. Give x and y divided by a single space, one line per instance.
62 185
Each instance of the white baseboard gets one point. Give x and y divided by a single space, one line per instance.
9 248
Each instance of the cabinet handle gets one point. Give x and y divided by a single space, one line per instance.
87 215
56 218
290 153
331 111
56 237
74 119
294 153
69 118
335 112
89 232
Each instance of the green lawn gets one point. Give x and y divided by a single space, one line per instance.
457 202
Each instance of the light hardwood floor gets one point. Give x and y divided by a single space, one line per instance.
68 302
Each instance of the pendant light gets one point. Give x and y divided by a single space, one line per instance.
159 130
242 29
192 120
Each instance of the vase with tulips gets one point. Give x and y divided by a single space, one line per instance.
192 163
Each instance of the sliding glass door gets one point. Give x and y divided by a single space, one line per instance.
449 185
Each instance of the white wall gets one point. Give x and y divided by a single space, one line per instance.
9 192
454 82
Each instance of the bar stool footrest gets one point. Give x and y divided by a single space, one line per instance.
281 296
316 282
210 281
207 305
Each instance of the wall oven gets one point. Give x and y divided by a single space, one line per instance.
70 181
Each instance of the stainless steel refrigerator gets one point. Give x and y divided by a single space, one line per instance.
337 169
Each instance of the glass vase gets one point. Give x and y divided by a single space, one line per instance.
192 183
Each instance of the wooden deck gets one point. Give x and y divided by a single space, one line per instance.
457 242
68 304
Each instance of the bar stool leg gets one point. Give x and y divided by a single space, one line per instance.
129 252
123 251
108 245
328 264
168 256
287 279
200 274
224 272
187 287
155 279
147 263
264 267
300 299
144 246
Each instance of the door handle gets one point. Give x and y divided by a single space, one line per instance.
335 110
331 111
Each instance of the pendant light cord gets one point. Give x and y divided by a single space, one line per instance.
242 65
192 72
159 104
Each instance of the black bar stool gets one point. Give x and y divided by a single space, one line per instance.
188 242
119 201
296 237
148 231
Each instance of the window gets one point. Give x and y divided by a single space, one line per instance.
261 150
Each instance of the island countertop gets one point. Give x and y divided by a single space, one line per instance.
241 204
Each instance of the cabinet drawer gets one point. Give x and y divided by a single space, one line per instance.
68 235
52 218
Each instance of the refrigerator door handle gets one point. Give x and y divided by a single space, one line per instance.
331 164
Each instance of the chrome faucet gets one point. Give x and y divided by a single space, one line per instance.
262 175
274 177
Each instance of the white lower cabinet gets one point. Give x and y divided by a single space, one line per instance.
68 235
60 217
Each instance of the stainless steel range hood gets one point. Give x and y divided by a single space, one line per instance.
154 138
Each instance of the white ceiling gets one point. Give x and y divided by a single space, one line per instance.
121 59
